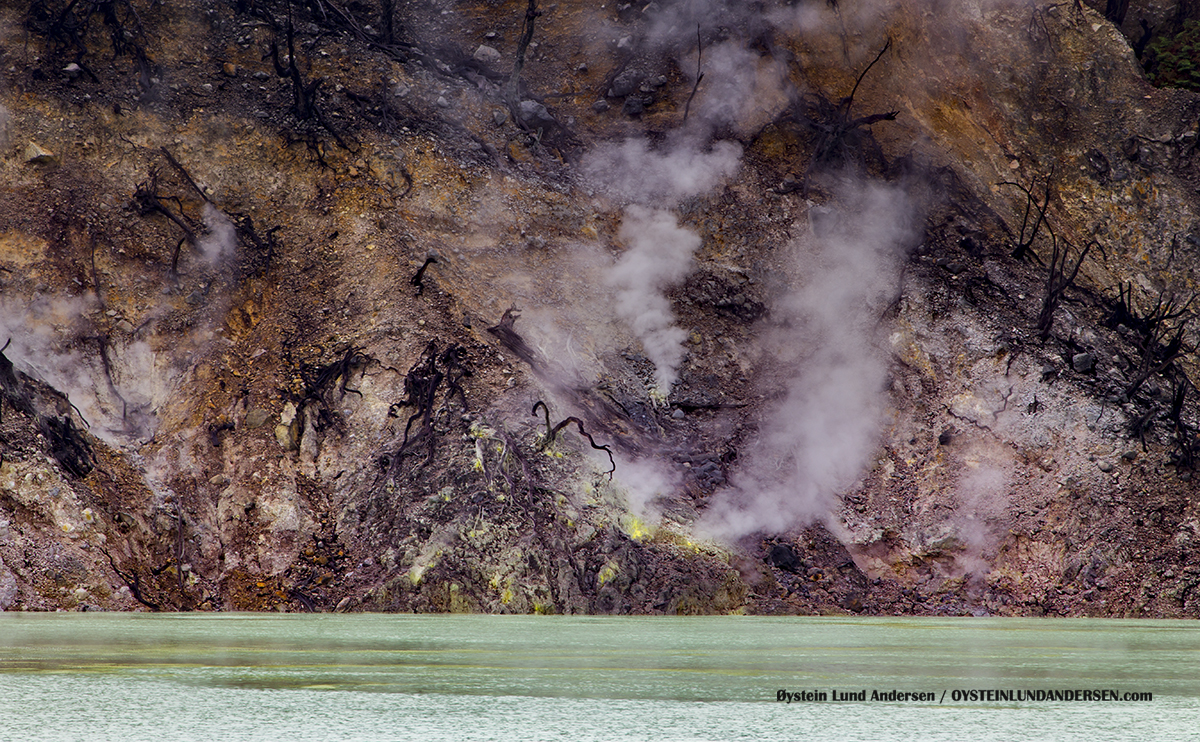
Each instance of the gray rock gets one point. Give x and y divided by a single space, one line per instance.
257 418
678 415
625 83
1104 466
600 106
442 102
1083 362
499 116
8 587
633 107
535 115
487 54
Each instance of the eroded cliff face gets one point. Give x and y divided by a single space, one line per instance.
879 309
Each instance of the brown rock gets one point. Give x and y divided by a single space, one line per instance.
37 155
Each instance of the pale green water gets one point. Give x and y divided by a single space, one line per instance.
233 677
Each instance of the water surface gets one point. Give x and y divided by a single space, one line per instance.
230 677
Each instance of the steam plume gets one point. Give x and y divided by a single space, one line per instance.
819 437
220 242
665 176
660 254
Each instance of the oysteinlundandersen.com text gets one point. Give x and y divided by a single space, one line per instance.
973 695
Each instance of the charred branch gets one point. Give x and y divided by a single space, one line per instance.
66 26
186 175
260 247
848 101
1158 335
305 99
1037 211
132 581
322 382
839 137
512 91
67 445
421 386
149 200
552 433
699 75
1058 281
511 340
1185 437
418 278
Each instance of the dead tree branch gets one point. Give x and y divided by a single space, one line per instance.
186 175
699 75
552 433
511 340
305 99
1025 243
132 581
1057 281
1159 344
149 201
512 92
418 278
421 386
848 101
839 139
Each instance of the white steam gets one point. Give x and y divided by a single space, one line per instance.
220 241
983 492
36 334
639 173
659 255
52 339
741 89
646 481
817 439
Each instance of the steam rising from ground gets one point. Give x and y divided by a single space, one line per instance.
220 243
820 435
823 432
52 340
983 493
637 172
116 380
659 254
644 482
659 251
